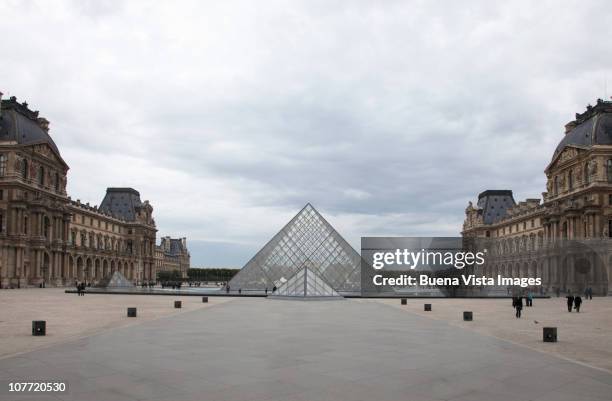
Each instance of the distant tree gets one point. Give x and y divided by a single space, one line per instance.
166 275
216 274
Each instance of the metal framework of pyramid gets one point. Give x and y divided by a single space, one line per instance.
309 242
115 280
306 283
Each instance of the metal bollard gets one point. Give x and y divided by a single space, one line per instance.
39 327
550 334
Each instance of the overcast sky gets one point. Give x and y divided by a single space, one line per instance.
230 116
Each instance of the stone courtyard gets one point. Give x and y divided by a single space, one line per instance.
261 349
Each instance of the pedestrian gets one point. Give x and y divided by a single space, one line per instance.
266 290
227 289
518 305
577 303
529 299
570 301
239 290
590 293
558 292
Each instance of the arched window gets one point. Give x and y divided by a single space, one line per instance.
41 176
609 170
570 179
2 164
24 169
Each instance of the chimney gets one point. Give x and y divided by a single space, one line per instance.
570 126
184 242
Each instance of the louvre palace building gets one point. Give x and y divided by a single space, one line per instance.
565 238
46 238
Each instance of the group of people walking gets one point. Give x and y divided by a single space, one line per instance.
574 301
517 303
81 289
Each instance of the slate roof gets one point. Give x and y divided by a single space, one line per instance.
121 202
494 204
593 127
20 124
176 246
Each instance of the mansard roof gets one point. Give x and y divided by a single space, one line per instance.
20 124
494 204
121 202
593 127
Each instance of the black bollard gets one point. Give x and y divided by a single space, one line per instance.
39 327
404 301
427 307
468 316
550 334
178 304
205 300
131 312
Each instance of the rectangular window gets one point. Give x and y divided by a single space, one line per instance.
610 199
3 160
1 194
532 223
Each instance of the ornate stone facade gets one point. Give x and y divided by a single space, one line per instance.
45 237
566 239
172 254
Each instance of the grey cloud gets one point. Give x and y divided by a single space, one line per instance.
230 117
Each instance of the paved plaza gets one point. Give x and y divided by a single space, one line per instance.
261 349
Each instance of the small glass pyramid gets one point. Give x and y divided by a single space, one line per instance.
115 280
307 241
306 283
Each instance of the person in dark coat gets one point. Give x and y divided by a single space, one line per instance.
577 303
518 306
570 301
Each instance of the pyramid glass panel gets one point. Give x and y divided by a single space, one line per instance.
115 280
308 240
306 283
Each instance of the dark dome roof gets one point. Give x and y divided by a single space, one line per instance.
593 127
22 125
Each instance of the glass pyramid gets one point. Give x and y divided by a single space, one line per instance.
115 280
306 283
308 240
